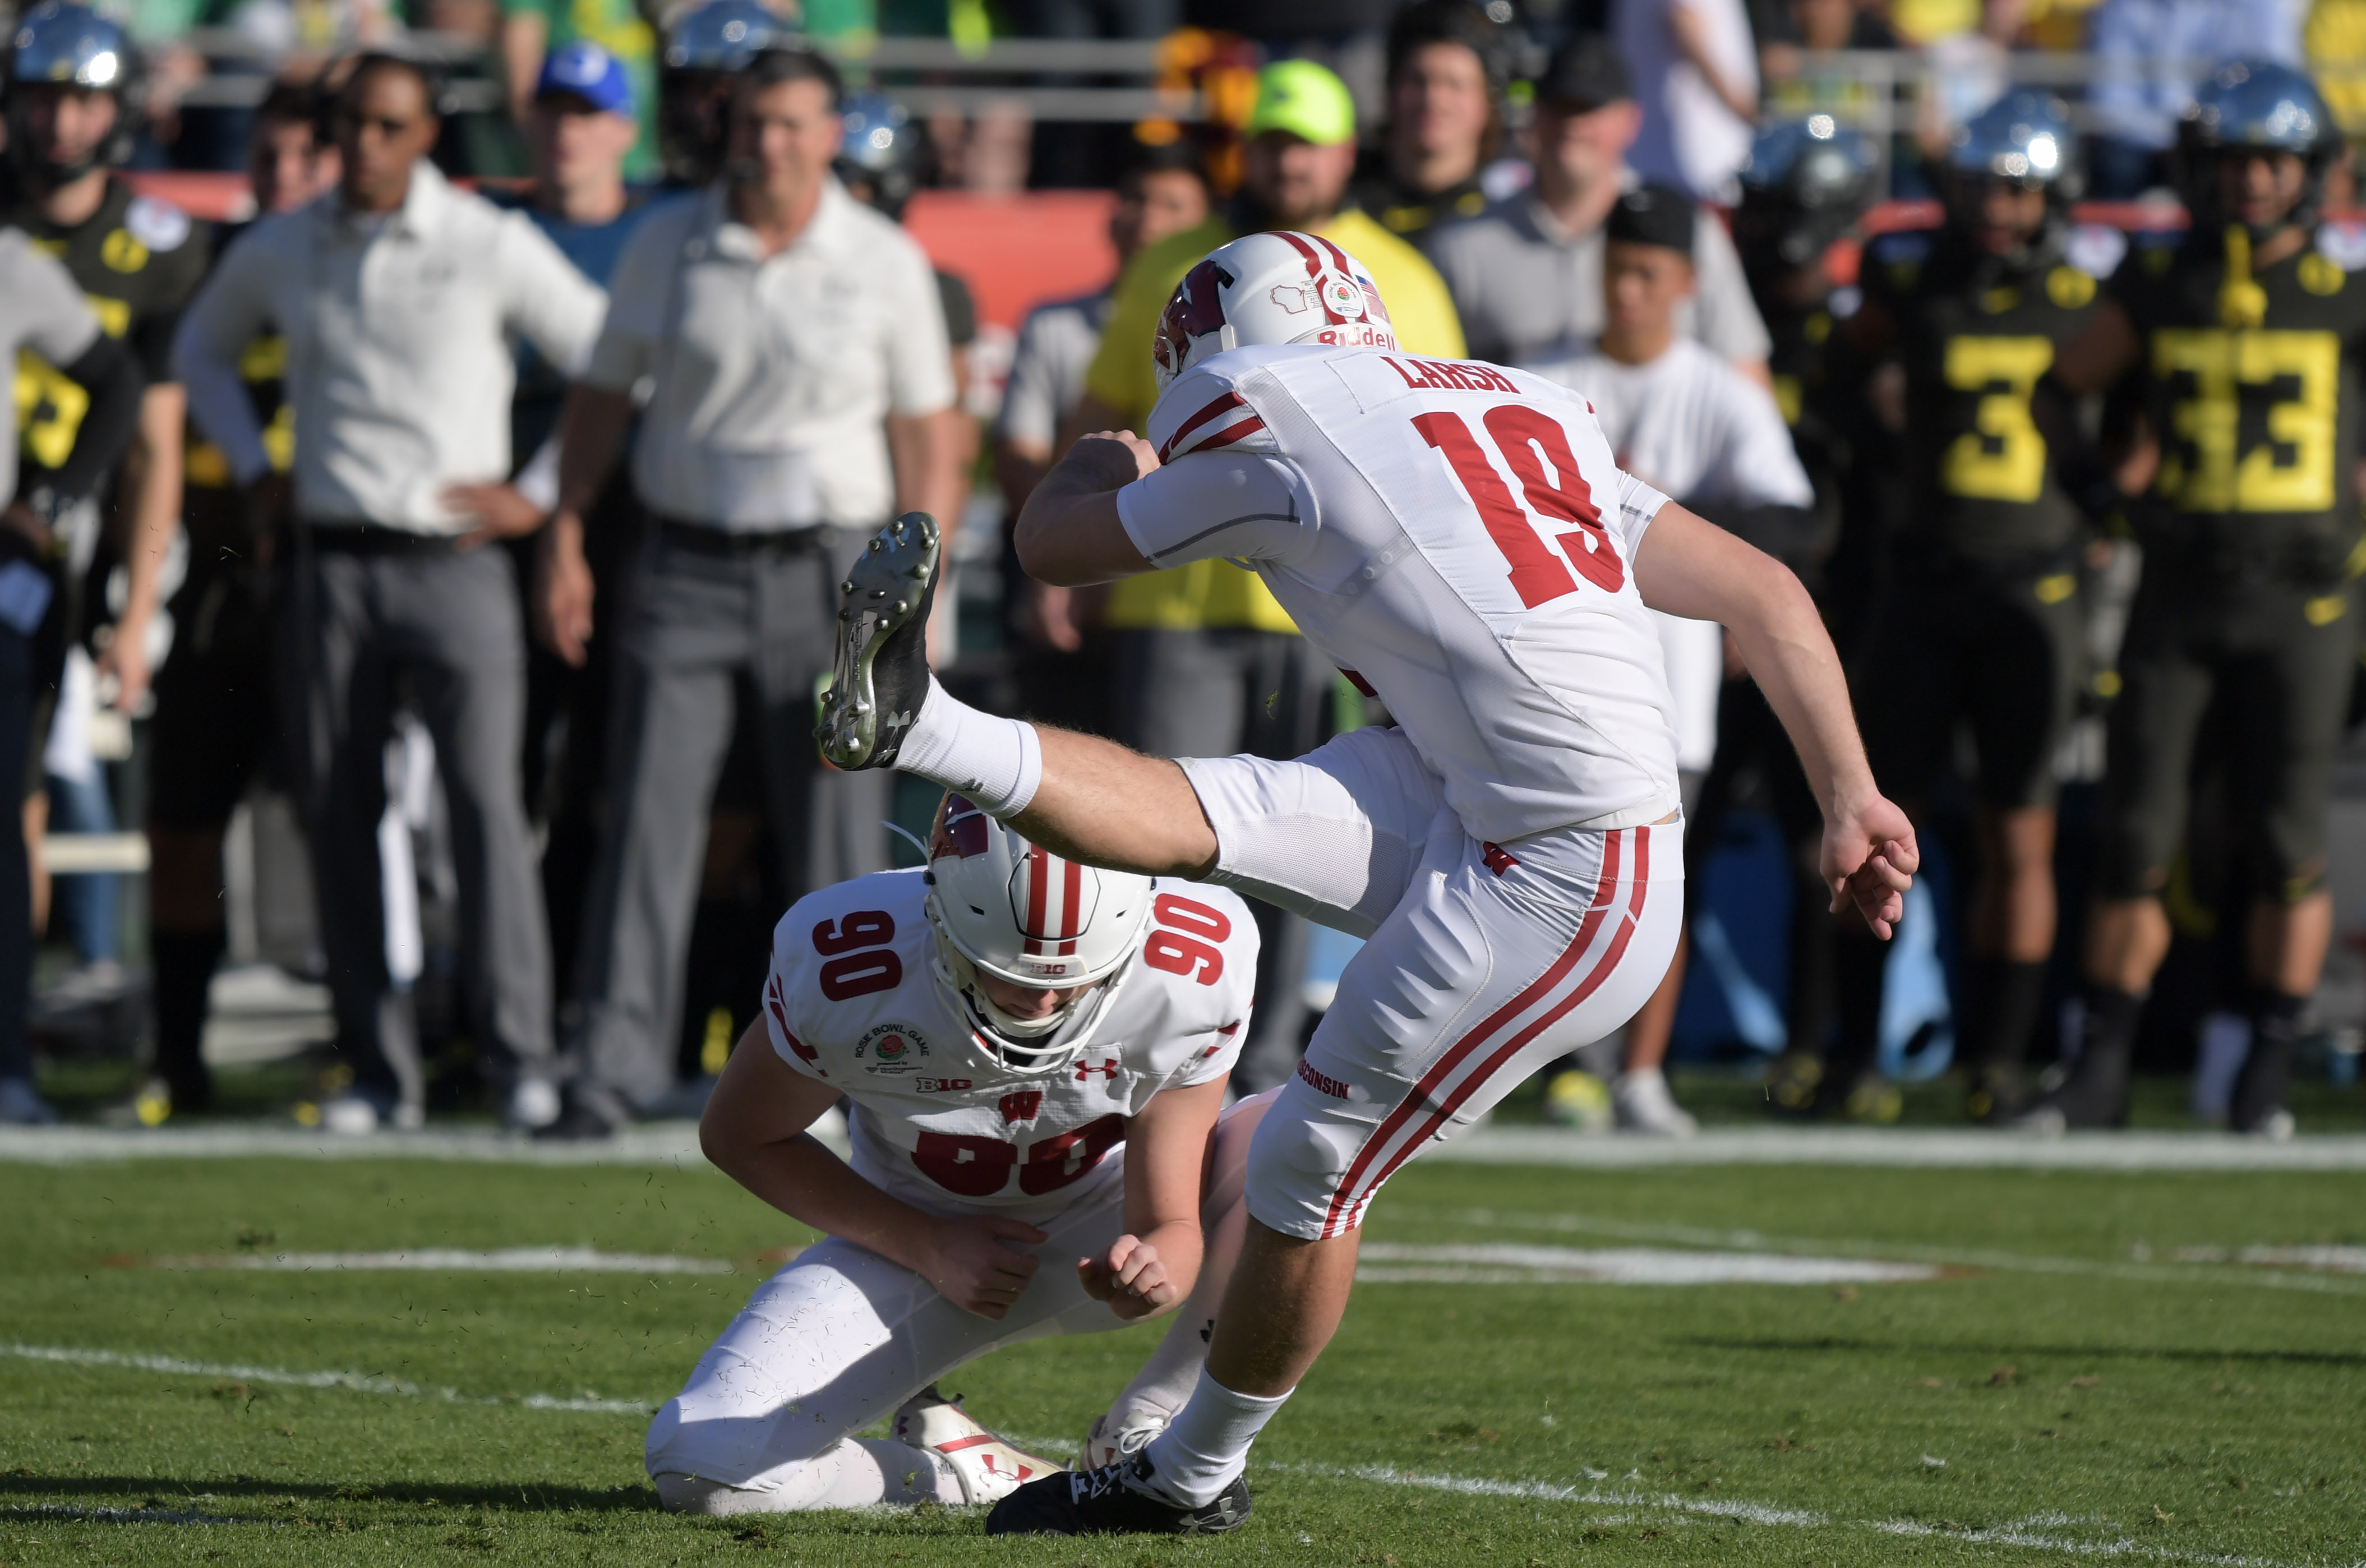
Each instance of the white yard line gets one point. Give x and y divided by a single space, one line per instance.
356 1383
2243 1269
1388 1262
452 1259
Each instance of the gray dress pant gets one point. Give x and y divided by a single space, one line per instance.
1215 692
698 628
373 617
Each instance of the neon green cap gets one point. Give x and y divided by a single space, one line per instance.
1304 99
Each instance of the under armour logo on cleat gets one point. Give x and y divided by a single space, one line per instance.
897 721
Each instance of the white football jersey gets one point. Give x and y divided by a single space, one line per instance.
1457 539
937 1120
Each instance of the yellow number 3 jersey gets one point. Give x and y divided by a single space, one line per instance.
1975 336
2251 383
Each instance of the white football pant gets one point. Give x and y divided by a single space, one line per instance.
1482 962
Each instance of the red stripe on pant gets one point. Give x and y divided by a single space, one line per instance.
1512 1047
1604 890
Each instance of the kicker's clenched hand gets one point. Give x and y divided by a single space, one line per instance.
1869 860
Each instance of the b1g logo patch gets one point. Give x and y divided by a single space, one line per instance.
892 1048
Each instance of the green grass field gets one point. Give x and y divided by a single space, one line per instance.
2066 1386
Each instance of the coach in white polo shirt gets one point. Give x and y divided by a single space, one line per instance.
398 297
801 394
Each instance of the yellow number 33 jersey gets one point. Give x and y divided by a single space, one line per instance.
2253 388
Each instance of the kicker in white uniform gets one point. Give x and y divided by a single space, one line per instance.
1458 538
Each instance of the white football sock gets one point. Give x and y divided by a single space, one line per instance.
1207 1444
1173 1370
997 762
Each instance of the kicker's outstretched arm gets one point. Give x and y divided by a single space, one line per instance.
1686 566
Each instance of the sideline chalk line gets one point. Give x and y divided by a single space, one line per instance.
2024 1534
676 1143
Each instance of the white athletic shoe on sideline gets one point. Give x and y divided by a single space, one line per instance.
987 1468
1640 1102
534 1102
1120 1433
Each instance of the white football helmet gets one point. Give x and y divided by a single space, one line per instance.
1000 906
1277 288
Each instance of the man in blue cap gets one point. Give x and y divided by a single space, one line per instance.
581 128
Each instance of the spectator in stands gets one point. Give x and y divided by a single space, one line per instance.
2144 52
803 391
215 722
42 312
1696 71
1527 275
1162 194
534 31
398 300
1820 27
1348 38
1447 63
1206 663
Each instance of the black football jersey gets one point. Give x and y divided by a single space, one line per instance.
1975 337
2251 384
138 260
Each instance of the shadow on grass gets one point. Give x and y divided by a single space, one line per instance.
177 1492
1836 1345
134 1500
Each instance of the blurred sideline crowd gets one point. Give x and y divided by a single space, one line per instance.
482 495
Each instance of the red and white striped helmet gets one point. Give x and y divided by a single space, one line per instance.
1003 906
1279 287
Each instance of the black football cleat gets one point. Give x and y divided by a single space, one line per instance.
1113 1500
2093 1097
882 673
